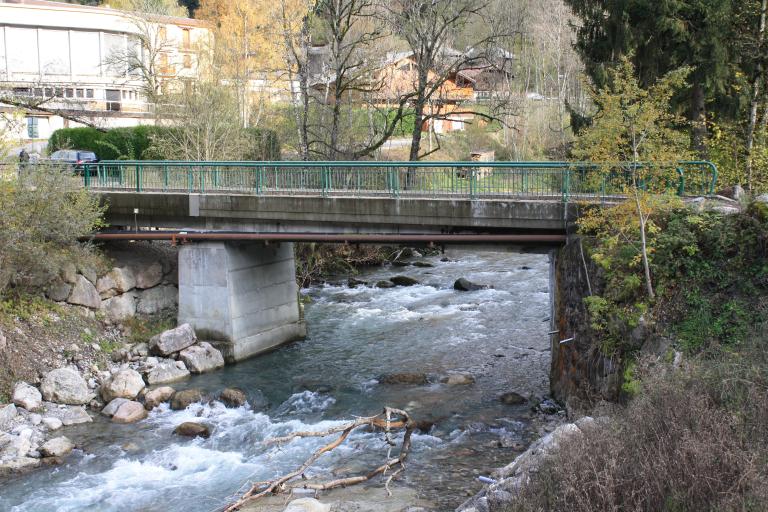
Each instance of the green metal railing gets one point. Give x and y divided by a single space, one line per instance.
476 180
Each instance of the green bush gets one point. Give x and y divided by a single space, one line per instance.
136 143
75 138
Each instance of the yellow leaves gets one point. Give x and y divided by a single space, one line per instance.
250 34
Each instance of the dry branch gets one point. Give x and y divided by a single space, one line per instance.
389 420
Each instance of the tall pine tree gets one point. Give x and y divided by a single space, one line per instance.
662 35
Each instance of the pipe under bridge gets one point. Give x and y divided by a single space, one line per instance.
238 220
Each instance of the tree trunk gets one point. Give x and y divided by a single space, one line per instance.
644 247
758 80
699 119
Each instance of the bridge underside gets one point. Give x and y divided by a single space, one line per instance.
236 266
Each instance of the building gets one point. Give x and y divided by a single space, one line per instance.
82 62
446 110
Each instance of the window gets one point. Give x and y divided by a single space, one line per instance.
33 131
187 61
125 95
48 92
69 93
39 92
89 93
22 91
59 92
79 93
162 34
185 39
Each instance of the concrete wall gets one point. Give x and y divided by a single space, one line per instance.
334 214
242 297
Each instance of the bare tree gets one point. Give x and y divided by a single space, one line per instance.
201 124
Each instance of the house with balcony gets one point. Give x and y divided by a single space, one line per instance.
66 65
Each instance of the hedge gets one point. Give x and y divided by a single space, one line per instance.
135 143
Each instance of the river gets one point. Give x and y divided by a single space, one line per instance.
498 335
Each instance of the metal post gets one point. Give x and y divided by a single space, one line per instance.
165 177
138 177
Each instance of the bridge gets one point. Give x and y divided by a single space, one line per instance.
237 284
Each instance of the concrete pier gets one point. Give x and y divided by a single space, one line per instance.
240 296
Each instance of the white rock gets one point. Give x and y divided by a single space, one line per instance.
67 414
52 423
129 412
18 465
307 505
124 384
57 447
167 371
112 407
65 386
27 396
201 358
35 419
3 341
173 340
84 294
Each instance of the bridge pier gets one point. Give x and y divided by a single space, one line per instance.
240 296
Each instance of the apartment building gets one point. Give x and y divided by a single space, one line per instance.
80 61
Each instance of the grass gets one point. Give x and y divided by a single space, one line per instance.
141 329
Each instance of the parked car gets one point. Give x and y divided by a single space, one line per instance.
74 158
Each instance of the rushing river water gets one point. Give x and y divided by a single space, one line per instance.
498 335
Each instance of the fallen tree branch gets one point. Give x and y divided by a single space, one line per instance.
389 420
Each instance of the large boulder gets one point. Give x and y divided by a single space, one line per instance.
118 280
157 299
458 379
69 415
202 358
173 340
129 412
513 398
149 276
157 396
65 386
58 290
404 378
111 408
57 447
465 285
7 413
166 371
183 399
233 397
403 281
20 465
84 294
191 429
123 384
27 396
120 307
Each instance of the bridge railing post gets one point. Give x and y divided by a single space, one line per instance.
138 177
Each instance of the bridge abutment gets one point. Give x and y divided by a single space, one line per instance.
240 296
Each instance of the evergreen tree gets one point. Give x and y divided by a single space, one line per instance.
662 36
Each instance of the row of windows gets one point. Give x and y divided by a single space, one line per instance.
72 92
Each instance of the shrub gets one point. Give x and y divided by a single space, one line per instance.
693 439
42 216
75 138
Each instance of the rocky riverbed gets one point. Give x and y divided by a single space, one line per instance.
164 423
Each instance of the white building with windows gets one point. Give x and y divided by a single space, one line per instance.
74 60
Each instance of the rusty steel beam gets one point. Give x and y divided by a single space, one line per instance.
351 238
